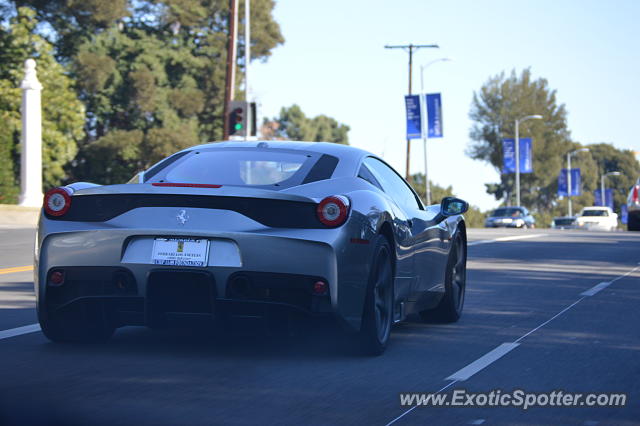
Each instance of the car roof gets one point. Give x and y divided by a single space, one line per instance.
349 156
597 208
330 148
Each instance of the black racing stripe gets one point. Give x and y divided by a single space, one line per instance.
269 212
160 166
323 169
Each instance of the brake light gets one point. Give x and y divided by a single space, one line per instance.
634 196
57 201
333 211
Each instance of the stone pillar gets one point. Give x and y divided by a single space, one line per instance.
31 141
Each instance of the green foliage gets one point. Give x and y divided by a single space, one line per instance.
151 73
474 217
497 105
608 158
293 124
62 112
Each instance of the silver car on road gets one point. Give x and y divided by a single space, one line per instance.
232 230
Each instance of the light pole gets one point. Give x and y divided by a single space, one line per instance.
569 155
517 147
427 187
602 197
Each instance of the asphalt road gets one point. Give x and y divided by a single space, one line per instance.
534 296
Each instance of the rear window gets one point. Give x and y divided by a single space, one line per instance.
248 167
595 213
564 221
507 212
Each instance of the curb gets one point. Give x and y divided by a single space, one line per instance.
11 214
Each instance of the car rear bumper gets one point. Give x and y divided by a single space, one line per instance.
596 226
100 254
183 296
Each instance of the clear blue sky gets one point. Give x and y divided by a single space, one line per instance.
333 62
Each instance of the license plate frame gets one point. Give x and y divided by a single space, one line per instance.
180 251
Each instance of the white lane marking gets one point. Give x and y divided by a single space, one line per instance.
596 288
477 422
516 343
520 237
551 319
416 406
627 274
476 243
599 287
501 239
12 332
482 362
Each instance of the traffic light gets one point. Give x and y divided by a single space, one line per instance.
242 118
238 113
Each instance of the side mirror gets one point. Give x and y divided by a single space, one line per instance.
451 206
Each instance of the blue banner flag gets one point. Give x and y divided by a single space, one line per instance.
414 118
608 198
624 214
434 115
509 155
576 183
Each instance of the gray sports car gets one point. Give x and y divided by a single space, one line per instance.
244 230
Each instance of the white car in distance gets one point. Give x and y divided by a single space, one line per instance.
597 218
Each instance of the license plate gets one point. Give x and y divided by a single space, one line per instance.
180 251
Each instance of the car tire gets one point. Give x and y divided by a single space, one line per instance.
79 324
633 222
378 307
450 307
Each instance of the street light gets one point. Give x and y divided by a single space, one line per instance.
528 117
427 187
602 197
569 155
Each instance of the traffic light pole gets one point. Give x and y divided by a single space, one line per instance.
410 48
231 66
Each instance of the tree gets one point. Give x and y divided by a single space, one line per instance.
494 109
608 158
293 124
474 217
151 74
62 112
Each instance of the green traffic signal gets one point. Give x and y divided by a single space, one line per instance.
238 126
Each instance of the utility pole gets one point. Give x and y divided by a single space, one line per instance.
247 63
229 88
410 48
247 47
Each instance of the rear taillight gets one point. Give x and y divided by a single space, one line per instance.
634 195
57 201
333 211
